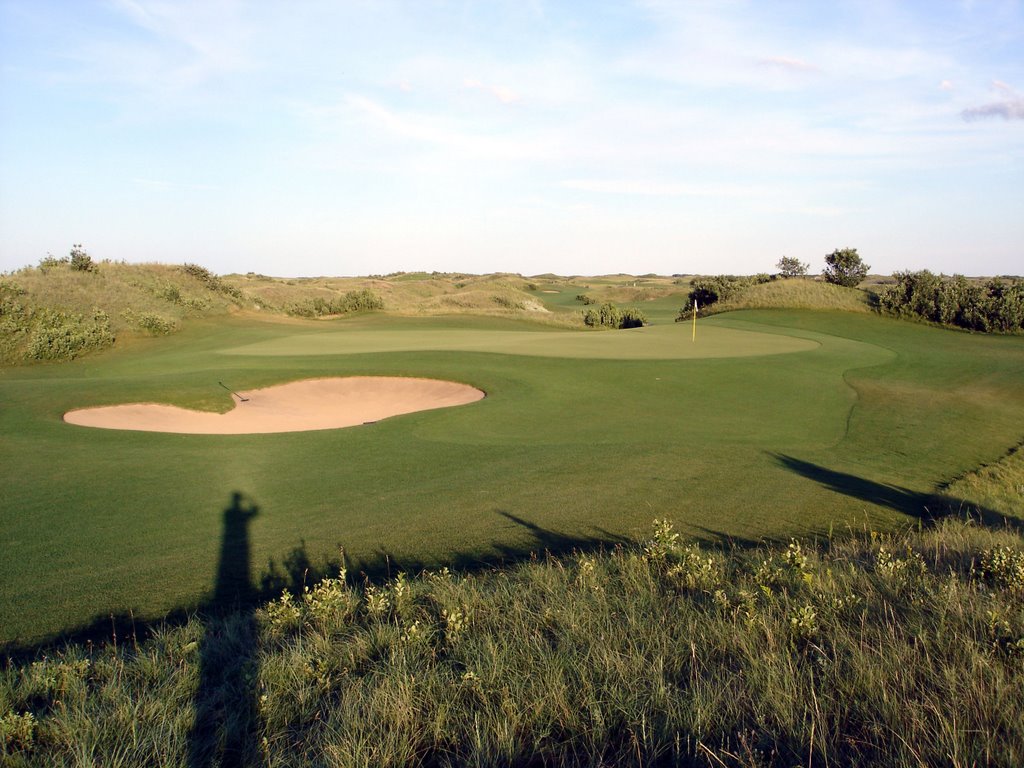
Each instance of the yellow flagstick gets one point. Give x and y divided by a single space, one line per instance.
694 320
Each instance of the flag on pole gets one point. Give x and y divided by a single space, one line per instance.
694 321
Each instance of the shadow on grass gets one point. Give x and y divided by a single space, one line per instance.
297 570
225 700
237 592
925 507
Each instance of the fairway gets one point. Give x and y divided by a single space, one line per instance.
773 423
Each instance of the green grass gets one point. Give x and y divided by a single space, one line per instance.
799 293
863 426
854 650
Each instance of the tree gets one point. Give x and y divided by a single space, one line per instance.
792 267
845 267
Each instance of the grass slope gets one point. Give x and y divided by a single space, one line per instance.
864 428
58 312
865 650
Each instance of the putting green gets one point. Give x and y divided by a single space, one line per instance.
664 342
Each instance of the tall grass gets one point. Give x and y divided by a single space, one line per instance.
794 293
56 311
861 649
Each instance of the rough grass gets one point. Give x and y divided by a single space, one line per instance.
410 293
998 486
795 293
137 299
864 649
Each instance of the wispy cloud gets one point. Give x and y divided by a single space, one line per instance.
788 63
651 188
502 93
1009 107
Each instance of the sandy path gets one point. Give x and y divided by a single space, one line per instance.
300 406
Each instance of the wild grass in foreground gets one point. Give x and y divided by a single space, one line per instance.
865 649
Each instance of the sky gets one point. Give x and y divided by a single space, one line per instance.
343 137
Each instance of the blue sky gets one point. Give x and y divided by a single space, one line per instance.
340 138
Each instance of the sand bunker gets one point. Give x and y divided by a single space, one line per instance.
300 406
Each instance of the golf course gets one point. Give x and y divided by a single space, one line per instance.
760 424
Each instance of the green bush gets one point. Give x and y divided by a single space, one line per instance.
60 335
169 293
995 305
845 267
80 260
353 301
155 324
582 298
708 290
610 316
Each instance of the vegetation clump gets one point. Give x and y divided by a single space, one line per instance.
853 650
611 316
718 288
508 303
211 281
56 335
353 301
992 305
790 266
844 266
80 260
152 323
77 259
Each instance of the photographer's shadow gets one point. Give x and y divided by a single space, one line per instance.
225 701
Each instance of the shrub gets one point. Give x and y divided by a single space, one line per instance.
995 305
155 324
17 732
80 260
169 293
610 316
353 301
582 298
49 261
844 267
709 290
63 335
1003 568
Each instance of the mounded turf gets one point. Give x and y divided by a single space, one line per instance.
858 423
